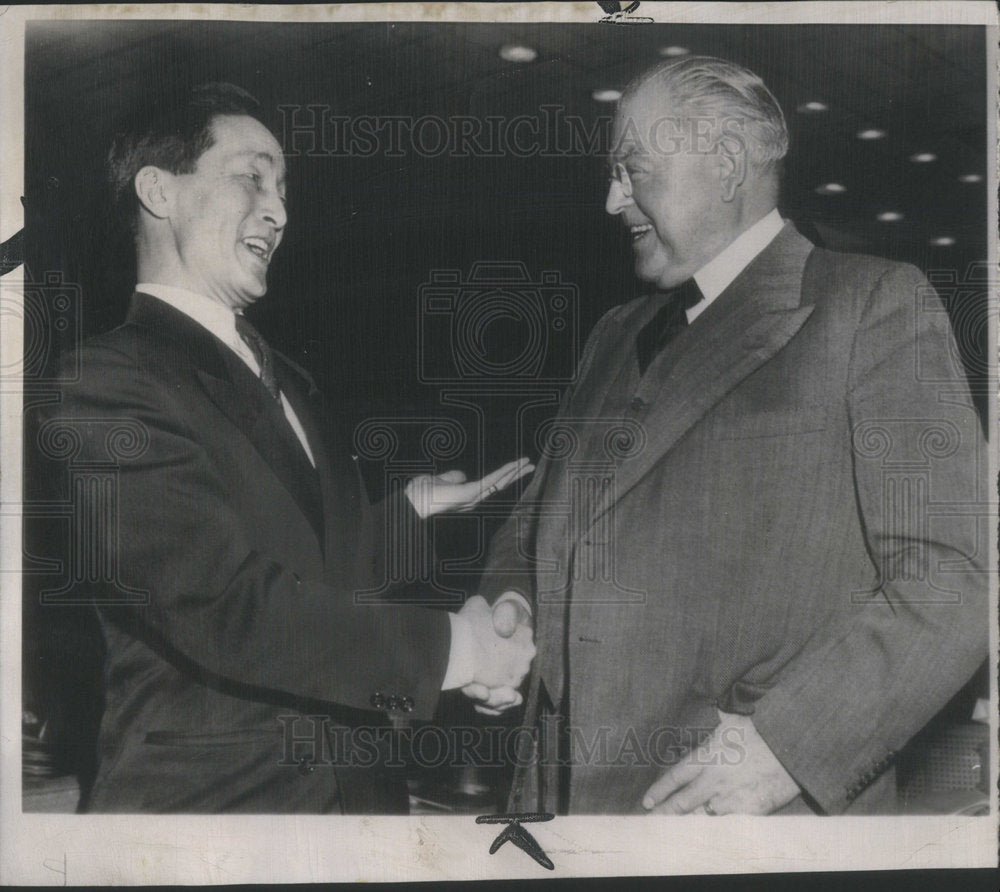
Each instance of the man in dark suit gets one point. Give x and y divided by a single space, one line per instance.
234 640
744 598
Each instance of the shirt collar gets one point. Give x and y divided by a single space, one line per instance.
716 275
210 314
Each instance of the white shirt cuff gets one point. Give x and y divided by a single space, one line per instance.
462 655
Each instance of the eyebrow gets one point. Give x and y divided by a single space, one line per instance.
264 156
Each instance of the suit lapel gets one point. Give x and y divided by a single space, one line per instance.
743 328
338 488
242 398
239 395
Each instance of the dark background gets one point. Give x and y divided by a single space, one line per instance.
366 233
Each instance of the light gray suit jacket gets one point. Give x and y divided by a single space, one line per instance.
779 519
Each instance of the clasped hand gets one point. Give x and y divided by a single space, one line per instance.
502 636
504 648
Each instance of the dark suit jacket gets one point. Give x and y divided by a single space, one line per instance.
778 519
229 612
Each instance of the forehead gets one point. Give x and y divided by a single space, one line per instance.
238 136
644 119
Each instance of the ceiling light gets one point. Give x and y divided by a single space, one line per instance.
970 178
831 189
515 52
607 95
942 241
923 157
889 217
671 51
812 108
871 134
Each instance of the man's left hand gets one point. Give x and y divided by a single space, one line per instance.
450 491
733 772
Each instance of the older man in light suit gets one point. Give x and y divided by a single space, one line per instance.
742 601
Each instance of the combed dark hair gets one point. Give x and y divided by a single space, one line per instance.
172 138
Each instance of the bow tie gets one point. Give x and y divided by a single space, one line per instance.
668 322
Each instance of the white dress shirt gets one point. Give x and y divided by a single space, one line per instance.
221 322
716 275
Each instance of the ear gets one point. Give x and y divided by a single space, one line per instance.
732 166
152 186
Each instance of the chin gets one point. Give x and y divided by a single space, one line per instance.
666 279
668 283
652 276
254 290
656 269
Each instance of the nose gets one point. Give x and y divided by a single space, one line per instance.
617 200
273 209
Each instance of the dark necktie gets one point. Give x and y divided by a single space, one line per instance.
669 321
262 353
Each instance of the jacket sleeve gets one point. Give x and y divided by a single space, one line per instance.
509 564
212 602
887 662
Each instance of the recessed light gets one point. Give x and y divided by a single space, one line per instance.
831 189
871 133
515 52
671 51
923 158
889 217
943 241
812 108
607 95
970 178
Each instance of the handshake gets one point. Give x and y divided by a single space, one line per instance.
502 650
494 646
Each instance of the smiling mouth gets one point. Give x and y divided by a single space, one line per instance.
639 230
260 248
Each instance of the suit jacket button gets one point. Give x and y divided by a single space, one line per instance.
377 700
306 766
406 704
637 404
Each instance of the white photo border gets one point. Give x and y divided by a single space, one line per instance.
62 849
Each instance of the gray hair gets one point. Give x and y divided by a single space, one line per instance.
714 88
